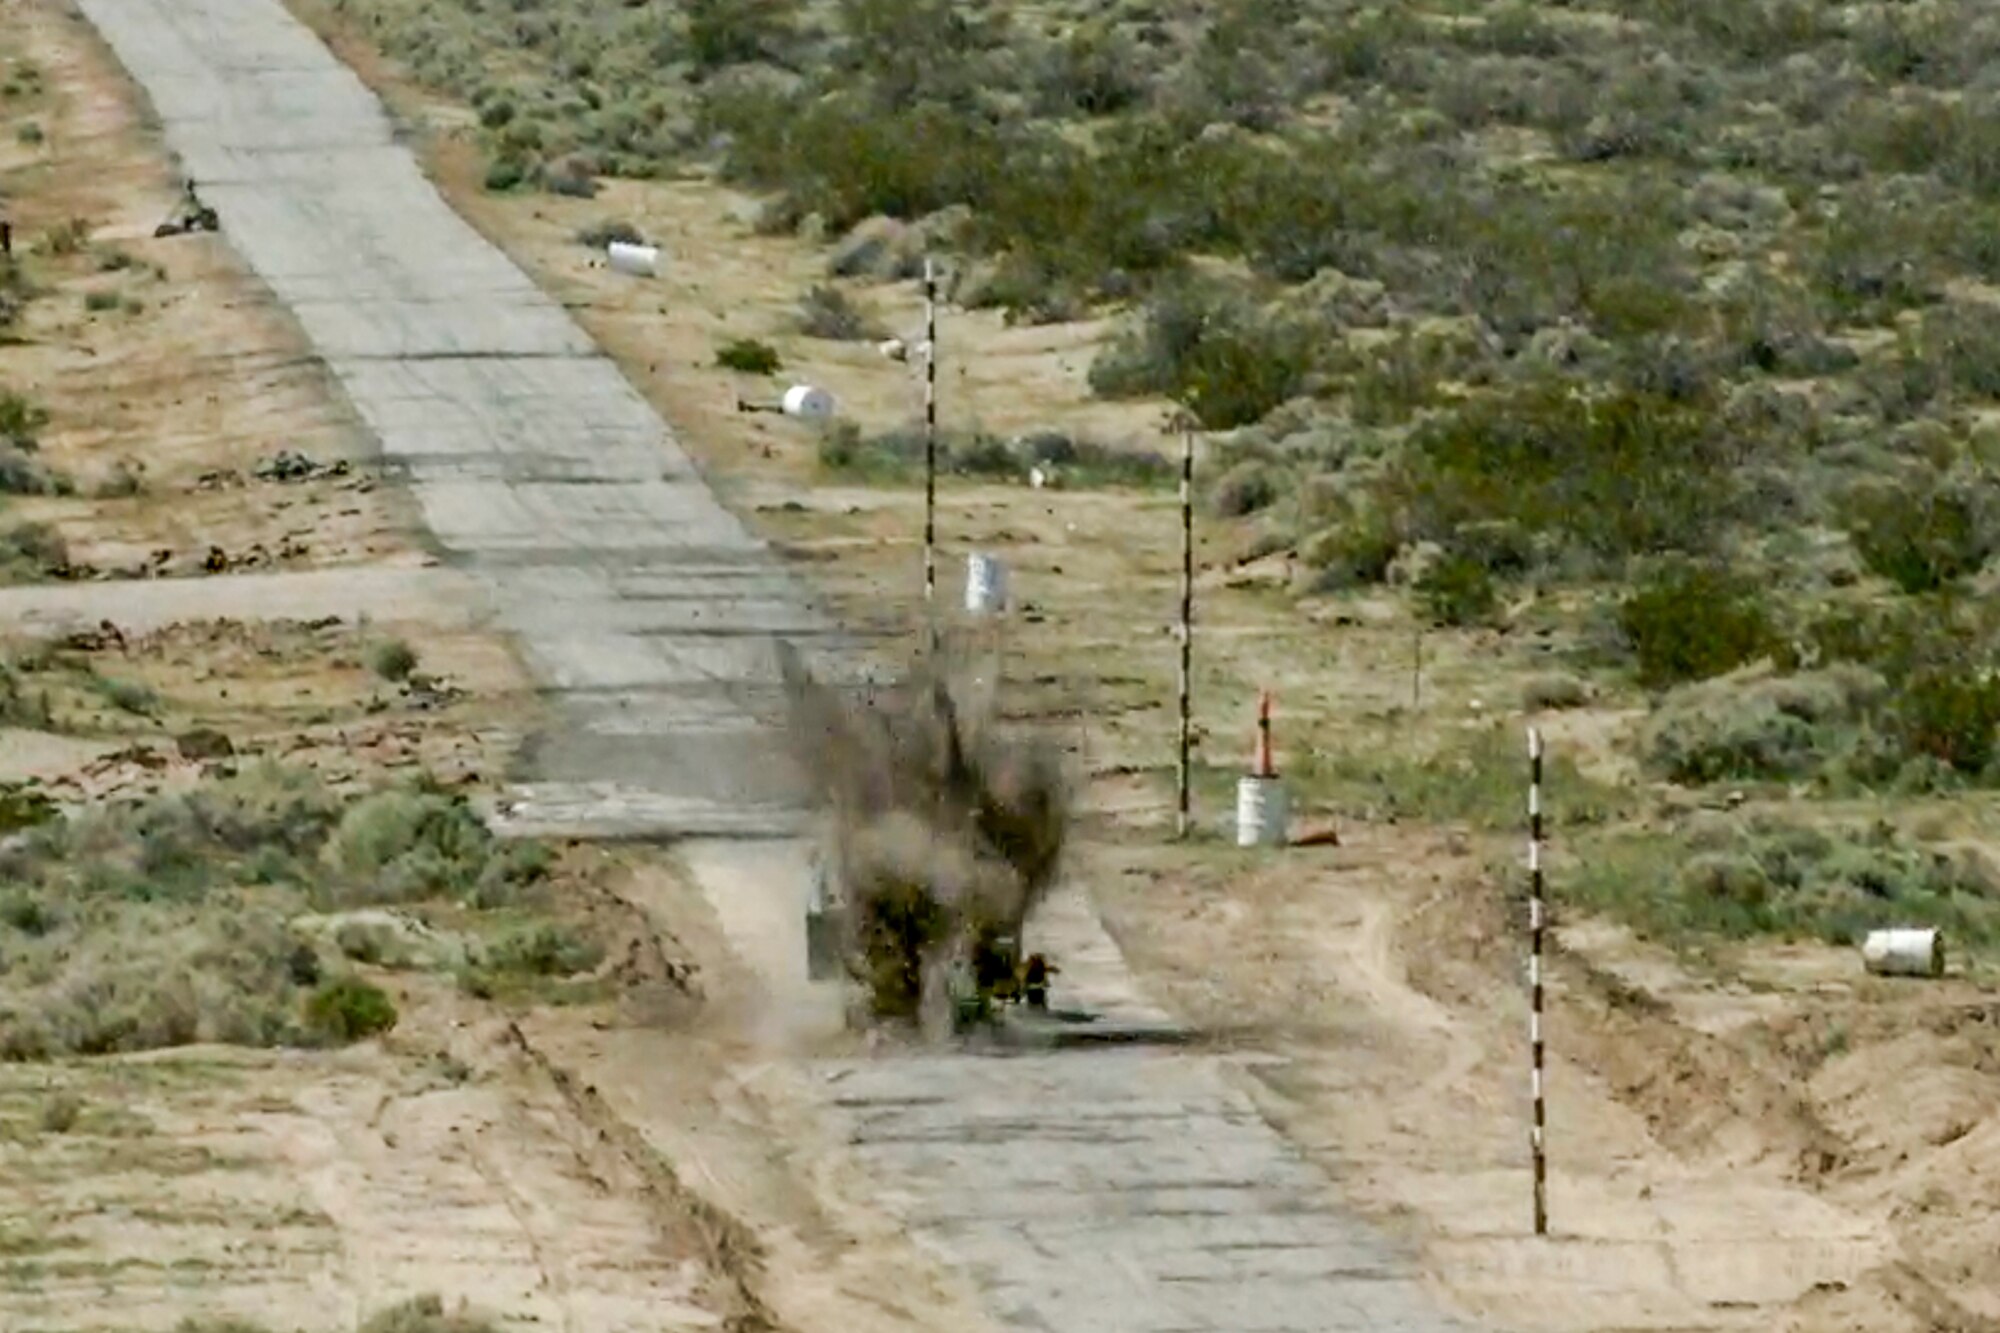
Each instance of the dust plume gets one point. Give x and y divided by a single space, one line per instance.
943 828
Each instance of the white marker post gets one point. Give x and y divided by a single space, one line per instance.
930 432
1537 924
1185 773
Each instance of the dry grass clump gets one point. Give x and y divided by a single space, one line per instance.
945 829
178 919
425 1314
420 1314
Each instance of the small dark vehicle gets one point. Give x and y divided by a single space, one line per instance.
193 215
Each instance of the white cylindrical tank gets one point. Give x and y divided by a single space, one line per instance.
641 261
985 585
1263 812
1904 953
806 400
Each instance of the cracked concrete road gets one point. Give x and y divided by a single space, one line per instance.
1122 1191
635 595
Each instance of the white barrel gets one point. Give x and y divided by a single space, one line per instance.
985 585
805 400
641 261
1263 814
1904 953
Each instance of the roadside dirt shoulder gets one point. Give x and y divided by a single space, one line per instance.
297 1189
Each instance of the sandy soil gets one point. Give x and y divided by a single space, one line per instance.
308 1192
1723 1156
159 361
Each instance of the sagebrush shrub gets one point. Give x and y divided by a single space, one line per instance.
1208 347
1457 590
748 356
1924 535
21 421
401 845
1611 475
1244 489
349 1009
1783 728
392 660
830 313
1951 717
1689 622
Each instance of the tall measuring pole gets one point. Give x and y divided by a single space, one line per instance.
1187 626
1537 925
930 441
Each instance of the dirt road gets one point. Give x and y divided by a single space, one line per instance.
1145 1187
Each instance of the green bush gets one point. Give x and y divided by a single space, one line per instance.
135 926
1554 690
21 474
392 660
1930 44
69 237
425 1314
26 913
1610 476
127 696
1355 552
1950 718
1245 489
828 312
348 1010
600 235
1736 879
1457 590
737 32
15 292
1206 346
546 951
1874 258
32 549
506 173
897 456
748 356
1965 342
1924 536
19 707
60 1113
401 845
23 806
1471 777
1094 70
1753 32
1785 728
21 421
1689 622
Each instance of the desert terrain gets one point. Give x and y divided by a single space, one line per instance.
181 1153
1747 1132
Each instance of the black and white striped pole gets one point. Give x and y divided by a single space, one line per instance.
1185 772
1537 928
930 437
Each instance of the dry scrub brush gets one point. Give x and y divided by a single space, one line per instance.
176 919
944 828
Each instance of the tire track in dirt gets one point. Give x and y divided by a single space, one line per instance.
552 1277
731 1250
